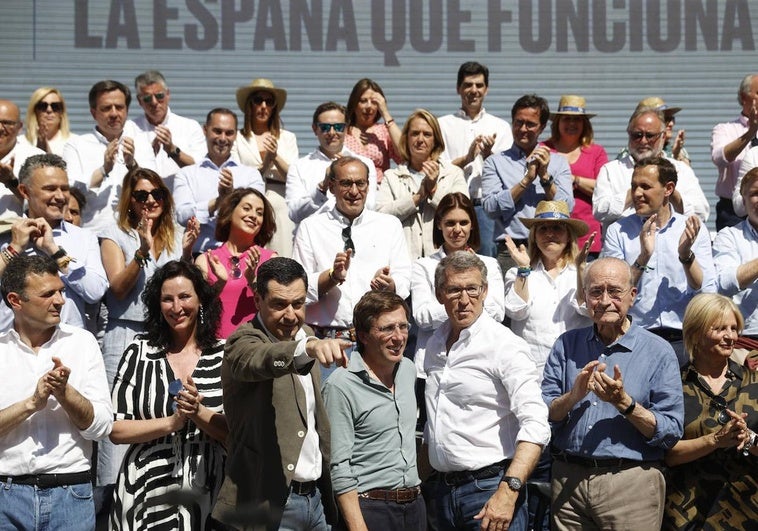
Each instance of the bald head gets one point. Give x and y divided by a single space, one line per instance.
10 126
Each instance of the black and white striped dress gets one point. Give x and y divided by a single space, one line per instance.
170 482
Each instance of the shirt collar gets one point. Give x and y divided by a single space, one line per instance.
208 163
463 114
339 216
101 138
627 339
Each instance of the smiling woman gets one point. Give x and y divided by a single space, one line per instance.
47 121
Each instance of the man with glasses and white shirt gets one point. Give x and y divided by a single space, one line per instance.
307 188
487 423
347 250
13 154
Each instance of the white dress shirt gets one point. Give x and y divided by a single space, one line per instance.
732 247
615 180
459 131
55 144
196 185
48 442
10 205
429 314
379 242
303 196
482 397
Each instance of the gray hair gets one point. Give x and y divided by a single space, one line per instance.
607 260
458 262
149 78
646 110
33 163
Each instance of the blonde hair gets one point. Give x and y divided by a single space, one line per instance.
439 141
703 311
31 114
569 252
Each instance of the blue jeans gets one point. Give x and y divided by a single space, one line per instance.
303 513
457 506
487 246
59 508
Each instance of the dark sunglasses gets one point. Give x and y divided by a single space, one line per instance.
174 388
141 195
236 271
268 100
347 238
639 135
43 106
147 98
719 404
324 127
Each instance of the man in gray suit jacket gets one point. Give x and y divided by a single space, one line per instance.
277 470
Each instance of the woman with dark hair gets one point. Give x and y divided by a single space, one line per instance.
245 224
365 135
264 144
47 125
143 238
168 407
455 229
711 481
412 191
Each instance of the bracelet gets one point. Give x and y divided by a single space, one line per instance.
689 259
6 256
524 186
331 277
11 250
389 122
523 272
141 259
631 407
62 263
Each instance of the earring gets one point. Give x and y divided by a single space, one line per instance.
202 315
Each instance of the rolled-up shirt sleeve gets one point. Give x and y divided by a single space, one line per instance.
342 439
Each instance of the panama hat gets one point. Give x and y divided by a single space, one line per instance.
571 105
657 104
555 211
243 93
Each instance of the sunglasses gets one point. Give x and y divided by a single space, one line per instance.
43 106
148 98
268 100
639 135
347 238
324 127
141 195
174 388
236 271
719 404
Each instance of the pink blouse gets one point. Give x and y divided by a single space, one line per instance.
379 148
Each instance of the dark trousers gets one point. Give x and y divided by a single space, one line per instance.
386 515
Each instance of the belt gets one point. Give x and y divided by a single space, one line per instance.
334 332
47 481
669 334
465 476
392 495
596 463
305 488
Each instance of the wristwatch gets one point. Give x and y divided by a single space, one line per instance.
60 253
175 152
514 483
548 181
12 184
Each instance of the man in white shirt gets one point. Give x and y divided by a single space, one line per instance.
98 161
487 423
612 198
307 180
348 250
277 474
199 188
13 154
44 185
471 135
55 402
176 141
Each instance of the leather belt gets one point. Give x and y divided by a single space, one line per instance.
590 462
405 495
334 332
47 481
305 488
455 479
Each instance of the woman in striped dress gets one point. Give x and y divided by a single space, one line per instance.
167 405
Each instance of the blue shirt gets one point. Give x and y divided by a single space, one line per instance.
662 291
595 429
732 247
505 170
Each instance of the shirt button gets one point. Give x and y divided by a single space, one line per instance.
594 403
589 427
301 434
290 467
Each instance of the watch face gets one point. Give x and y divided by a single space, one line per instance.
514 483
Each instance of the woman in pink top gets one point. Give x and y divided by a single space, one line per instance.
365 135
245 224
572 136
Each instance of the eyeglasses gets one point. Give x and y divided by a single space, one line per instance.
43 106
148 98
8 124
388 330
141 195
324 127
456 292
719 403
236 271
639 135
268 100
174 388
518 124
347 184
614 293
347 238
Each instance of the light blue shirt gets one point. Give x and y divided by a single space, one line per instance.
505 170
732 247
596 429
662 291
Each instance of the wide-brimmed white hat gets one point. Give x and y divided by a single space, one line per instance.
243 93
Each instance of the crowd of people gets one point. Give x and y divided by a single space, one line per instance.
452 322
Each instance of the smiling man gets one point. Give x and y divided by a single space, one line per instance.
487 423
372 409
44 185
277 470
200 187
616 404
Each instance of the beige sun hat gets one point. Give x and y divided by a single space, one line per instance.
657 104
571 105
555 211
243 93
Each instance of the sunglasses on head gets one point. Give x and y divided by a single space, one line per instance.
147 98
324 127
268 100
141 195
42 106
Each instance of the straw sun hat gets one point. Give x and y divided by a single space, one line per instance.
243 93
571 105
555 211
